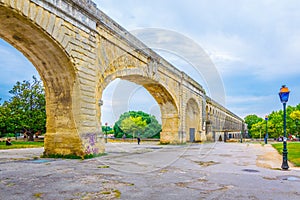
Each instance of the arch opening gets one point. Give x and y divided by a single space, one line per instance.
167 106
122 97
17 76
57 73
192 121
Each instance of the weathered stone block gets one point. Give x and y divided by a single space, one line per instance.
19 5
32 11
39 16
51 22
12 3
56 30
65 40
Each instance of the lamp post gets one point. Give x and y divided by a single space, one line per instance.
259 133
297 129
106 132
266 136
284 97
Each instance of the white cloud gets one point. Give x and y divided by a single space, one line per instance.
245 105
245 99
255 40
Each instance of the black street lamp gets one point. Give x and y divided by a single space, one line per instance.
284 97
106 132
298 136
266 136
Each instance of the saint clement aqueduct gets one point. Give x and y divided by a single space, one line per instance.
78 51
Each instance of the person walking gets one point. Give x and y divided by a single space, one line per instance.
138 140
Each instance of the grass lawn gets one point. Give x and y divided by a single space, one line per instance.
21 144
293 151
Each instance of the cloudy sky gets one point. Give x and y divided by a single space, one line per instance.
253 44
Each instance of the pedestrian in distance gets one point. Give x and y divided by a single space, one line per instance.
138 140
8 142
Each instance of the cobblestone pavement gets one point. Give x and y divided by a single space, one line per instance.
150 171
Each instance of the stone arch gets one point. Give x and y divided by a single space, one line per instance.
166 101
57 73
192 121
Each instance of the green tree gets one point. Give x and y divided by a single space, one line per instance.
5 121
25 110
275 124
295 115
290 123
107 130
118 132
152 129
137 122
258 129
250 120
133 125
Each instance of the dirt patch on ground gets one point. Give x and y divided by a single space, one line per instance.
271 159
268 160
206 164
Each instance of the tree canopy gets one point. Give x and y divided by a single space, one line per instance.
257 126
137 123
25 110
251 120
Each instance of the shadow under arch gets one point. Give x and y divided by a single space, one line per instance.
165 100
57 73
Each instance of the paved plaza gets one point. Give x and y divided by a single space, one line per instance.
151 171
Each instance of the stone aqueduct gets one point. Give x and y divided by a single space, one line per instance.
78 51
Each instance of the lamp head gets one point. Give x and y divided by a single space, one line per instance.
284 94
266 117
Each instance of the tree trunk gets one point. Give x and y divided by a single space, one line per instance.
30 136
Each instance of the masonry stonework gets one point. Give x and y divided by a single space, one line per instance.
78 51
